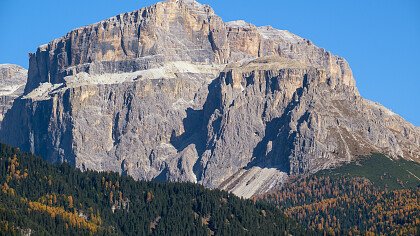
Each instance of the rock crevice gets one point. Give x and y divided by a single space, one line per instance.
172 93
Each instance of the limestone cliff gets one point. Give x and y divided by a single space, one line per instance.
12 83
171 92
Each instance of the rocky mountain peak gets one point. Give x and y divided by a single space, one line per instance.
171 92
12 83
12 74
169 31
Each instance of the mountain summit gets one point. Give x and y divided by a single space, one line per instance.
171 92
12 83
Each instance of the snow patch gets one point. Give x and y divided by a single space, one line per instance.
10 89
194 177
169 70
42 92
181 104
43 47
239 24
9 66
169 148
189 2
193 5
381 108
269 32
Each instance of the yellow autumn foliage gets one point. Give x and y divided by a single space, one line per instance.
72 218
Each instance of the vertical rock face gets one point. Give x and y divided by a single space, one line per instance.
12 83
171 92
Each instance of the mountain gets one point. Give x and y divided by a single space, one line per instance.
172 93
38 198
12 84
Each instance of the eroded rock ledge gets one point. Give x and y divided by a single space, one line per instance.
171 92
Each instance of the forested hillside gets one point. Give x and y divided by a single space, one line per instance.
360 198
375 196
47 199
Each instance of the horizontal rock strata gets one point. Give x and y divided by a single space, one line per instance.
172 93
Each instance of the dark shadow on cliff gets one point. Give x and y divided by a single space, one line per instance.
196 126
27 125
13 131
277 132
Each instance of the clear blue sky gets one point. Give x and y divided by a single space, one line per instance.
379 38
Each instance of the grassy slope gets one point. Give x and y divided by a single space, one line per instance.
381 171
